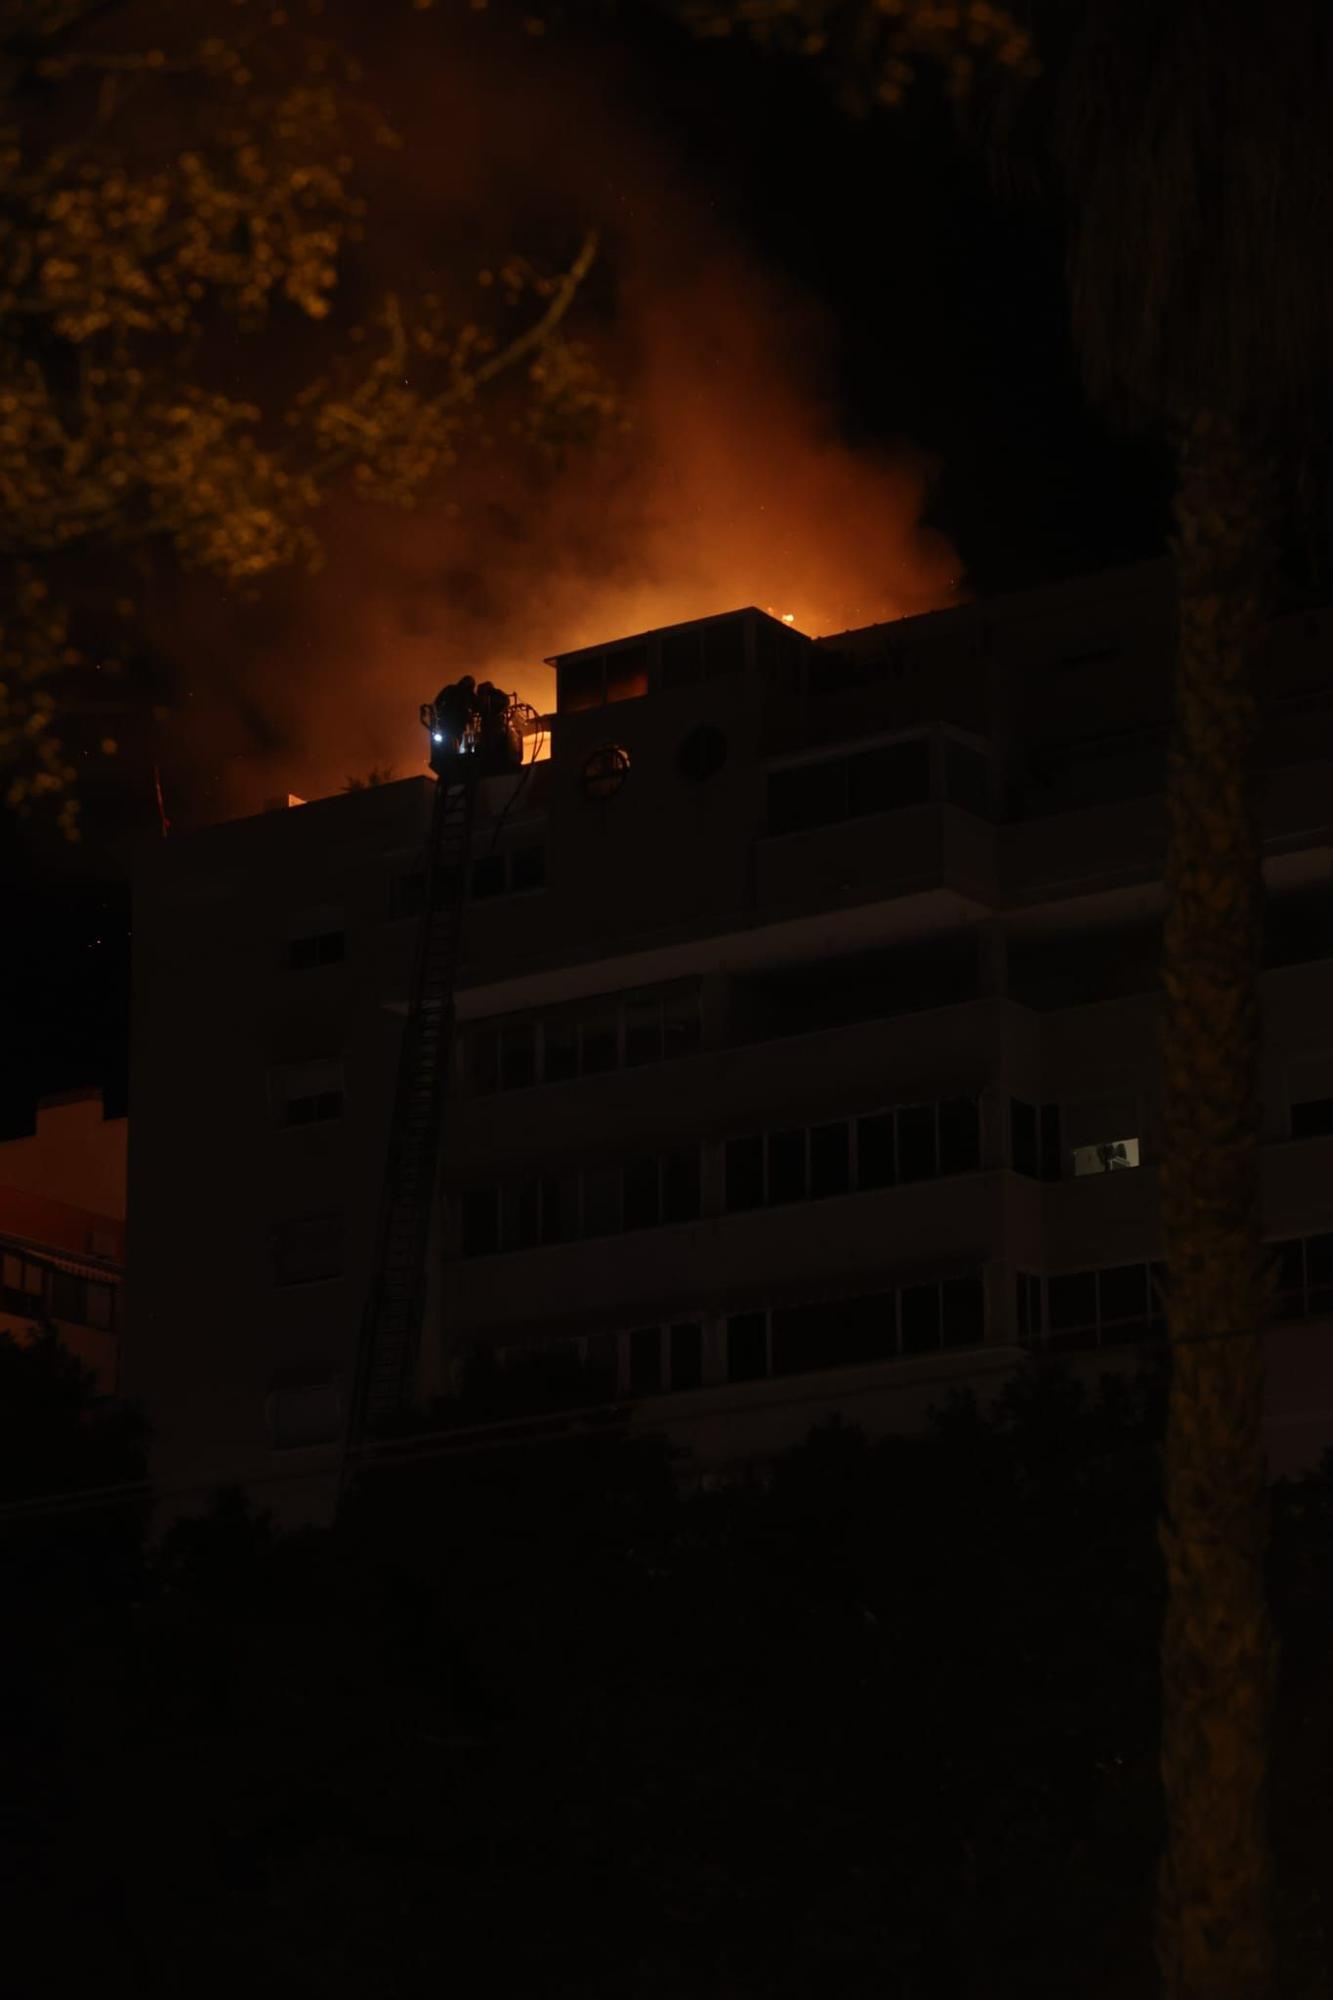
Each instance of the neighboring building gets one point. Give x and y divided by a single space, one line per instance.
62 1231
806 1057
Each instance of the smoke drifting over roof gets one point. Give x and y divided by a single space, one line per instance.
730 482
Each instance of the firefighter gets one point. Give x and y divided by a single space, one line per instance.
456 710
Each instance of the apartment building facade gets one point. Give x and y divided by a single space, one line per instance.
805 1056
62 1231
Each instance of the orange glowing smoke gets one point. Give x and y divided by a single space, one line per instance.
731 485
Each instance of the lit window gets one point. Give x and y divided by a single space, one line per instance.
1106 1156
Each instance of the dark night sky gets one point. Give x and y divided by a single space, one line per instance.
944 328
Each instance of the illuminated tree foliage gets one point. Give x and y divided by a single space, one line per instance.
174 207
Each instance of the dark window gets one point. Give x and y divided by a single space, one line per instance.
1157 1299
1027 1316
967 778
916 1142
560 1208
682 659
327 949
518 1056
702 753
1313 1119
874 1150
687 1356
807 795
484 1059
69 1298
601 1201
895 775
643 1028
680 1024
481 1221
560 1051
1291 1279
407 895
745 1173
316 1110
786 1166
626 673
723 648
645 1360
830 1160
642 1197
308 1249
488 875
1319 1273
1071 1304
1023 1137
1052 1165
747 1347
798 1343
963 1311
599 1045
1122 1293
680 1186
960 1136
919 1312
521 1215
527 868
579 684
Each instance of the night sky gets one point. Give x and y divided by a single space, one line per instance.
871 263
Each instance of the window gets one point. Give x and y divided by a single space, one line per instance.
680 1186
579 684
329 948
1105 1156
686 1348
520 1204
518 1056
1034 1139
747 1346
643 1028
509 873
917 1155
309 1093
830 1160
885 779
1305 1277
599 1043
1103 1307
875 1151
626 671
890 777
480 1221
745 1173
967 777
69 1298
919 1313
1096 1134
24 1286
560 1211
560 1050
488 875
305 1413
702 753
1027 1306
527 868
959 1136
308 1248
1313 1119
601 1201
643 1195
786 1166
645 1360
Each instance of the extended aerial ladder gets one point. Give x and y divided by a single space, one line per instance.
474 733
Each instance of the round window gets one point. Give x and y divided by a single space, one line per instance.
702 753
604 772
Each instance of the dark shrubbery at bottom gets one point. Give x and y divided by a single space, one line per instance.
883 1724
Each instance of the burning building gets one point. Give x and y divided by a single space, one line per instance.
804 1057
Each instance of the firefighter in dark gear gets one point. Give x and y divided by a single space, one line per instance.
456 711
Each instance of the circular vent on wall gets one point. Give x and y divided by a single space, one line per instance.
604 772
702 753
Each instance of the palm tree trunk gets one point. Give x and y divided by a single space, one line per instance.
1214 1933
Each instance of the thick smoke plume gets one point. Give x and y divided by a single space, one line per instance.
729 483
